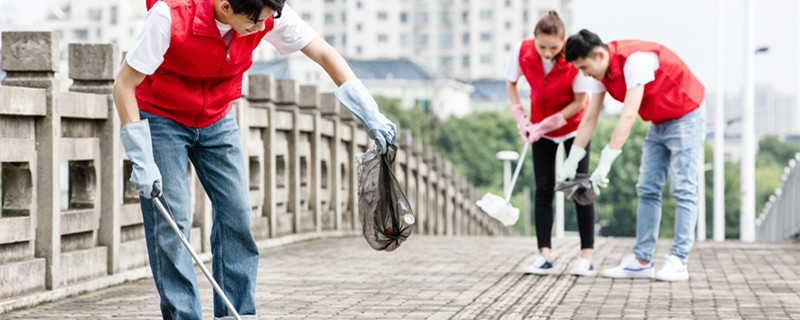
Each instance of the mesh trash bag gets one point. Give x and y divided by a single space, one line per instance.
386 215
578 189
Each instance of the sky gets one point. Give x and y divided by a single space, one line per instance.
688 27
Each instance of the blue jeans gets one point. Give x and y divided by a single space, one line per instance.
216 153
673 148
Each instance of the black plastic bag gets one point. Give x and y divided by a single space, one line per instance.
386 215
578 189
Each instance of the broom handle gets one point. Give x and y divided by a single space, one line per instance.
517 170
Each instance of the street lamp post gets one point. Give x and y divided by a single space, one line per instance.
507 157
719 131
747 187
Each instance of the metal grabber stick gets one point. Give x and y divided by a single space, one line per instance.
200 264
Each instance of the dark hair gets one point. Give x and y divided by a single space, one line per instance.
582 45
253 8
550 24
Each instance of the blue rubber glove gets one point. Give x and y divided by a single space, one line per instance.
570 167
139 147
599 176
355 97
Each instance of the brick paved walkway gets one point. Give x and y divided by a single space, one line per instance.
478 278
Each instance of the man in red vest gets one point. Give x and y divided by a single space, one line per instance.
174 94
652 80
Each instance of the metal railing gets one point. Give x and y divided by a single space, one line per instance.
780 219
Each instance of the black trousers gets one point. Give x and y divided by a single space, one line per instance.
544 167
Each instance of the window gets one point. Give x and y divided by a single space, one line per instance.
486 37
421 40
525 16
383 38
305 17
344 39
446 40
446 62
465 61
465 38
403 17
329 1
486 59
344 17
81 34
508 25
329 18
421 18
113 15
508 47
486 14
446 18
508 3
358 49
403 40
358 5
383 15
358 27
465 17
329 39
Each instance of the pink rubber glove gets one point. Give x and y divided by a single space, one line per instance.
518 112
535 132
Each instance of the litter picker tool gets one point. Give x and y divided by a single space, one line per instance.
200 264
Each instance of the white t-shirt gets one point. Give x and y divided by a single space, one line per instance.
580 83
640 68
288 34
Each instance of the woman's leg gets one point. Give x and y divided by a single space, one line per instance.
544 152
585 214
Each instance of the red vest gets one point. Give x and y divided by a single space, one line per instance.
674 92
201 75
550 93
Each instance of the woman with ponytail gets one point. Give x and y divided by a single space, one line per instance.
559 94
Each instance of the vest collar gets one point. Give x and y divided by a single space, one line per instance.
204 23
614 67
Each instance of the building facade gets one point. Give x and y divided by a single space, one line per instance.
462 39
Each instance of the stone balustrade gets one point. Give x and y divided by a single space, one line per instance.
299 146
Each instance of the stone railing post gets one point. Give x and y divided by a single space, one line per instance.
92 68
350 120
260 95
30 59
419 205
286 100
309 102
330 108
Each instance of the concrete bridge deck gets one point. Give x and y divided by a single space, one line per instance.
478 278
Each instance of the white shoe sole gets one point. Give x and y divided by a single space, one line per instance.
629 276
584 273
680 278
541 272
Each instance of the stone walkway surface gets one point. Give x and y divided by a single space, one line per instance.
478 278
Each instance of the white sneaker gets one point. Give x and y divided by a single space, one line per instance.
630 268
540 266
583 268
673 270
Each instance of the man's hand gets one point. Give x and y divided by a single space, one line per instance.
355 97
570 167
139 147
599 177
